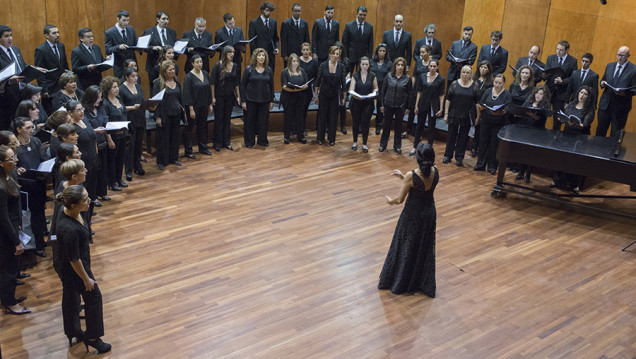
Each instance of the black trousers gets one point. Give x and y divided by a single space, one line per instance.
116 159
309 95
342 111
72 289
168 140
379 116
9 269
201 123
101 170
328 117
488 143
393 117
133 155
293 114
422 119
457 139
222 120
256 123
361 112
36 190
607 117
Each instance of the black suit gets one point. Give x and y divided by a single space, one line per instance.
499 60
591 80
535 67
206 40
436 52
292 36
322 39
153 56
267 38
468 52
559 92
12 95
222 34
357 44
401 49
114 38
612 107
46 58
80 59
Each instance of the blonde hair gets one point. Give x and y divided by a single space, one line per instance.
70 168
256 53
289 63
162 73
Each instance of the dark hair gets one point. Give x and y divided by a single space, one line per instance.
565 44
392 71
122 13
65 130
5 137
518 75
387 57
502 76
90 96
588 56
329 7
106 84
296 5
64 150
83 32
546 95
3 29
66 78
430 26
70 106
267 5
161 13
71 195
489 79
361 8
19 122
8 183
48 28
227 17
24 107
468 28
30 90
128 72
496 34
57 119
194 57
128 61
589 104
425 156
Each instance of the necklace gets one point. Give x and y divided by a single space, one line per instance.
494 97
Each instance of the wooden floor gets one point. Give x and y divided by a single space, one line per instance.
275 253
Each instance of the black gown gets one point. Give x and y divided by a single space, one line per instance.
410 264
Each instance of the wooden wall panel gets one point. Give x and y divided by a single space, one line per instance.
484 16
590 7
566 25
27 33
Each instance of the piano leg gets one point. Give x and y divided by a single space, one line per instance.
497 190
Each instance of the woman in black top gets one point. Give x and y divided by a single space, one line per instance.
363 82
428 102
68 91
30 154
380 65
29 108
197 99
74 269
395 92
10 223
96 116
461 98
420 67
491 123
310 65
521 89
329 88
132 96
224 79
116 112
292 98
539 99
483 77
166 53
167 115
257 96
342 108
34 93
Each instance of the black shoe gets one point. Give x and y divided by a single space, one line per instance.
527 177
365 149
381 149
354 147
97 344
229 148
377 130
140 171
249 146
446 159
129 177
519 175
217 149
343 130
412 153
92 234
479 168
115 187
41 253
123 184
320 142
161 167
332 143
105 198
93 214
458 163
405 134
20 299
303 141
206 152
19 282
178 163
492 171
97 203
79 338
286 141
398 151
473 152
142 159
23 275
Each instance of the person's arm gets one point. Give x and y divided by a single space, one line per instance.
10 237
407 183
243 84
352 84
317 84
314 40
78 267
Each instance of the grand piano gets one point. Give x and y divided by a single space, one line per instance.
612 159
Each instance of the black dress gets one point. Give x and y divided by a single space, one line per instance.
410 263
380 71
311 69
137 126
225 85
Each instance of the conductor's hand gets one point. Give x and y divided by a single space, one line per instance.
89 284
397 173
388 199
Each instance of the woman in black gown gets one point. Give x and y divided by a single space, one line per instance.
410 264
429 102
420 67
96 116
483 77
116 112
329 88
310 65
293 99
132 96
224 79
539 99
380 65
395 92
521 88
363 82
491 123
461 98
257 96
73 266
167 115
197 100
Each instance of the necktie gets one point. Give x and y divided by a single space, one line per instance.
328 25
531 63
492 52
397 37
13 59
465 43
560 61
163 36
582 75
90 50
360 27
297 23
617 74
428 42
123 36
231 33
267 23
57 54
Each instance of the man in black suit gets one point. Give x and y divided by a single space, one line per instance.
118 39
265 28
496 54
463 50
558 85
583 77
615 106
430 40
532 61
398 41
85 58
357 38
160 35
50 55
10 53
293 32
198 37
232 34
324 34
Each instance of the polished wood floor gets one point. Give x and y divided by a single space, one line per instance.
275 253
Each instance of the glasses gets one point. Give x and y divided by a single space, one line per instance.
12 158
79 110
